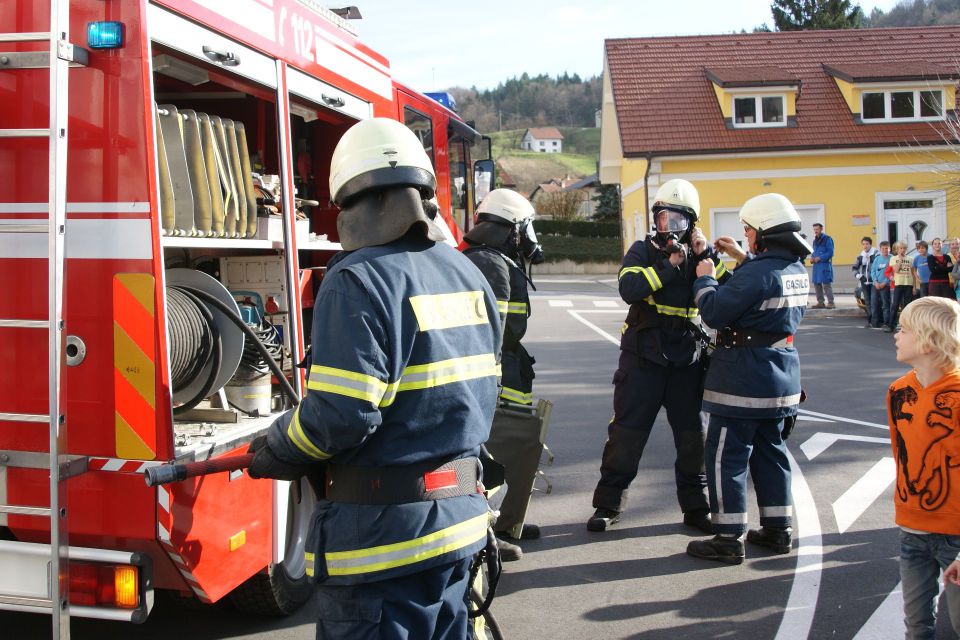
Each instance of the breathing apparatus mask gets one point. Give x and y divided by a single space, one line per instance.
672 229
530 247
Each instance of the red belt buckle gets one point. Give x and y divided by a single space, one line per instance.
437 480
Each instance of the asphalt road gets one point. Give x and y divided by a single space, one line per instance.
635 581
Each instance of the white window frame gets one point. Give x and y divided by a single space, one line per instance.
758 109
888 107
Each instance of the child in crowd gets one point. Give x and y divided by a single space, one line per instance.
880 300
901 270
924 415
921 270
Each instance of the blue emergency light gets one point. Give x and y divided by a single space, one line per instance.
105 35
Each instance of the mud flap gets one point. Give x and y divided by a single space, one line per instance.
517 442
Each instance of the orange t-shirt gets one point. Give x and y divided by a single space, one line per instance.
925 436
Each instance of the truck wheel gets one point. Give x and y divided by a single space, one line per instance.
284 587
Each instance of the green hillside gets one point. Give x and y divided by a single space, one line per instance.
529 168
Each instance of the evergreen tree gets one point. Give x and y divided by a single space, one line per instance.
797 15
608 203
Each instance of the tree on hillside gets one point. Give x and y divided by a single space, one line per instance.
797 15
916 13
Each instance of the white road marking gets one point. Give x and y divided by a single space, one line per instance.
806 418
863 493
818 442
561 303
603 334
805 589
842 419
886 623
606 303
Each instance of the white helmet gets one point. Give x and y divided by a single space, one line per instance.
504 205
775 218
678 195
378 153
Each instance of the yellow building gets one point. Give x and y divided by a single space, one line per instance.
849 125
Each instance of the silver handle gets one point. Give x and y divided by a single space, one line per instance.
226 58
335 101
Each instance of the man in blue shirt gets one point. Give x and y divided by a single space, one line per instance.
822 260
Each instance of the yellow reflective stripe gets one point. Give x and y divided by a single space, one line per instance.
518 307
390 394
434 374
347 383
514 395
720 269
389 556
648 272
299 438
651 275
667 310
311 560
448 310
503 306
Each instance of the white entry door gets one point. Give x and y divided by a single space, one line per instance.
911 216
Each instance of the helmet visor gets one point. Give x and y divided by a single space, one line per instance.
670 221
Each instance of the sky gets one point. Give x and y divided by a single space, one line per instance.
485 43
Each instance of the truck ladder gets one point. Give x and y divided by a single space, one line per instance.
60 56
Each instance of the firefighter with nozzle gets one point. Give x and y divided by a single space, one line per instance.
501 244
752 389
400 397
661 359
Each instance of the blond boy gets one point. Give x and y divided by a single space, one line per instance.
924 414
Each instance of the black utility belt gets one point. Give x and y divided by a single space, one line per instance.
737 338
401 485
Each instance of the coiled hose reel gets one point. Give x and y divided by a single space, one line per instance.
207 336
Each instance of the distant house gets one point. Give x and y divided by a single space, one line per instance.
504 179
850 125
543 140
588 186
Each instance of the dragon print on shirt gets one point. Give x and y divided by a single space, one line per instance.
927 477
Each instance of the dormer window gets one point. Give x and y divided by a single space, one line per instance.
759 111
755 97
890 93
899 105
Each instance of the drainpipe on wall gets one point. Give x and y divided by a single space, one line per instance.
646 194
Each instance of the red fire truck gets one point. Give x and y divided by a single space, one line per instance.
157 154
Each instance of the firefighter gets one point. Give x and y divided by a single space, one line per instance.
660 359
500 244
753 384
400 397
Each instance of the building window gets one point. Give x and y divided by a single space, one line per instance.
901 105
759 111
541 143
554 143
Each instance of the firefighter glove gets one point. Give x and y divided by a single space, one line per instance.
788 424
266 465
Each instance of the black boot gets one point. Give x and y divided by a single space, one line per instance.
699 519
780 540
719 548
508 552
602 519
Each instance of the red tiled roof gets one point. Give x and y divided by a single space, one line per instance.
891 72
545 133
665 102
751 76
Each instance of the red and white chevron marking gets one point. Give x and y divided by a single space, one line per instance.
119 465
164 524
